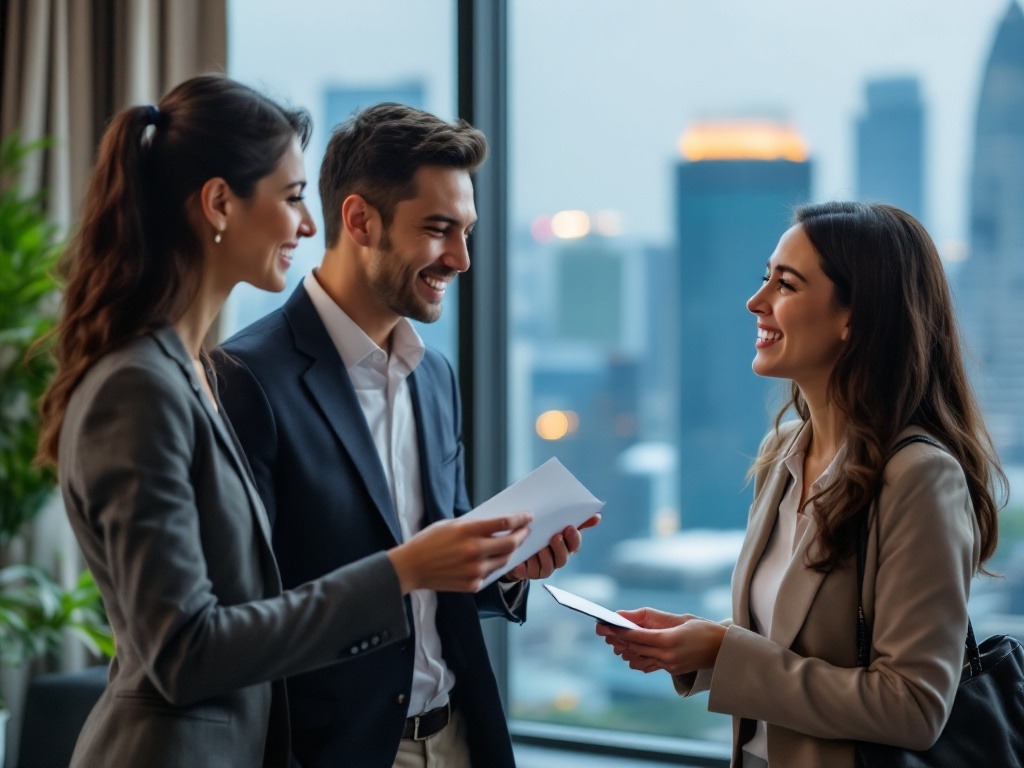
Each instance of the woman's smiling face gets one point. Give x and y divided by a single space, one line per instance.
800 327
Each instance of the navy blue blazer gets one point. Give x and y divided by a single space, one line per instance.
298 418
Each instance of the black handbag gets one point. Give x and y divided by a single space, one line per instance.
986 724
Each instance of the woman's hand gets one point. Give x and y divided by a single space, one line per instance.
456 555
675 643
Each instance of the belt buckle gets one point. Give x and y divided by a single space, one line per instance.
418 718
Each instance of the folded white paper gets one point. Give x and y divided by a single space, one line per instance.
555 499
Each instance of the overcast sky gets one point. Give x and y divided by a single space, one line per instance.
602 89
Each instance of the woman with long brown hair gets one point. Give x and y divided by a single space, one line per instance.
188 198
855 311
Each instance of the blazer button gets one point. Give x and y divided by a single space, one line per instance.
354 650
386 634
364 645
400 699
375 640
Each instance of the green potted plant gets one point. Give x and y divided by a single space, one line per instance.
35 611
29 249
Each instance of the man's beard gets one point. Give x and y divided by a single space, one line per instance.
395 284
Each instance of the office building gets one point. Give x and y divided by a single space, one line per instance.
890 144
992 280
737 185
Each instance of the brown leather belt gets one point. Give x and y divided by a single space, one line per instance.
426 725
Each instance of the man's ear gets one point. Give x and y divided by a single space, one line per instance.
357 219
215 202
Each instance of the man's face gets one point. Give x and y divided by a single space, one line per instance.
425 246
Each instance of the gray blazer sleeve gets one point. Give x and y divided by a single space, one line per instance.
135 485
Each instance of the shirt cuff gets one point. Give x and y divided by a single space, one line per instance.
512 602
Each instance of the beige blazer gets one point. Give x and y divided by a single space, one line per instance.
803 680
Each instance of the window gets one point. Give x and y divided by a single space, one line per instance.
333 59
656 152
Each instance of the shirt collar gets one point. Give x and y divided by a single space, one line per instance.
794 460
352 343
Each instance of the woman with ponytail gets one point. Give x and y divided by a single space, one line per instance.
887 462
187 199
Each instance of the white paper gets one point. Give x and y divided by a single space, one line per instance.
595 611
555 499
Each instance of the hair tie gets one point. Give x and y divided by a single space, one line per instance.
152 115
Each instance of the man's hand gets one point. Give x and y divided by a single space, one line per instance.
553 556
456 555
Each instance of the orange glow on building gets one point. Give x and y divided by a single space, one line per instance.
742 140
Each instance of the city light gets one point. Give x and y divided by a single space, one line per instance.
569 225
743 140
540 229
554 425
608 223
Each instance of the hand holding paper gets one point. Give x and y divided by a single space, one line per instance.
552 557
556 500
456 555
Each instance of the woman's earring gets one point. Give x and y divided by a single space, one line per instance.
219 236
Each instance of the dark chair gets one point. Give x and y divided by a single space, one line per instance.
55 710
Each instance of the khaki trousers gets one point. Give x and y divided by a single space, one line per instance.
447 748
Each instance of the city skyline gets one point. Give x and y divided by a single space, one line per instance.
573 104
628 345
990 291
890 144
945 55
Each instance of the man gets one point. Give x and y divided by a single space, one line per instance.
353 430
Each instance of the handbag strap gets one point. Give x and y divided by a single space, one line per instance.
863 632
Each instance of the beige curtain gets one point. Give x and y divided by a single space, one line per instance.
67 67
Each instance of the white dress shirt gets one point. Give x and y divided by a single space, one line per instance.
778 554
381 384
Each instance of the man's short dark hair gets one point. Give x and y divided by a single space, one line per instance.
377 152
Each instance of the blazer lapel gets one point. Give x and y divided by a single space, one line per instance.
172 345
425 415
761 524
797 590
799 583
329 385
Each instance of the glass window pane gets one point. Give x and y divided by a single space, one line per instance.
657 150
333 59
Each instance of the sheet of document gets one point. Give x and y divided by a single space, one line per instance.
555 499
595 611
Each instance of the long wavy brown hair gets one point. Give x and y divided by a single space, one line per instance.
901 366
135 260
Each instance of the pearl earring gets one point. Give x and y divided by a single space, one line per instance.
217 238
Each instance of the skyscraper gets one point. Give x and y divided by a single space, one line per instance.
992 280
582 372
736 189
890 147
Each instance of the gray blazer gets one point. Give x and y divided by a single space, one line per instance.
163 506
803 680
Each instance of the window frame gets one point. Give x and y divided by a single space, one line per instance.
482 90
